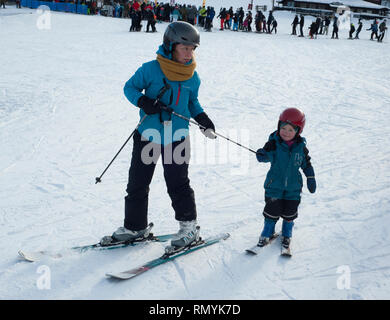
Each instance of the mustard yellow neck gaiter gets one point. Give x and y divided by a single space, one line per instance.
175 71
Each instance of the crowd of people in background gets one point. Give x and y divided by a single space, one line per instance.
238 20
201 16
321 27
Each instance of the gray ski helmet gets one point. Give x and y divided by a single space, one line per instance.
180 32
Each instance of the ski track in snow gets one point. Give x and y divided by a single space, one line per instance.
63 116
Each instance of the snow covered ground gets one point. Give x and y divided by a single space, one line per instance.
63 116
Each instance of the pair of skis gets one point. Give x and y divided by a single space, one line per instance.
106 243
285 250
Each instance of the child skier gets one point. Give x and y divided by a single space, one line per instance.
287 152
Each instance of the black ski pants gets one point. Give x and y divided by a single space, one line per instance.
381 36
176 179
335 33
357 34
286 209
151 24
294 30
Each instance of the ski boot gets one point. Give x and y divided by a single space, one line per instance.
123 235
268 232
287 228
286 242
286 250
263 241
188 234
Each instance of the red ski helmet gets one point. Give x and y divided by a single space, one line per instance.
293 116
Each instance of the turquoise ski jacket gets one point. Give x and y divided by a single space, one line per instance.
182 97
284 180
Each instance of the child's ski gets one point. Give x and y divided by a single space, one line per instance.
168 256
286 250
256 249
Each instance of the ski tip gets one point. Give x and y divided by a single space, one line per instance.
286 254
21 254
115 276
221 236
120 276
251 252
27 257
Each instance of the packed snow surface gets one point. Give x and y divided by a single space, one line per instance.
63 116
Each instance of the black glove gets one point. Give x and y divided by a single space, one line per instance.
205 122
311 181
149 105
261 155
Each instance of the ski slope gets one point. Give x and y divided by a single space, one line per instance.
63 116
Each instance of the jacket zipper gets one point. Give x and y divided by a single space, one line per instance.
288 169
178 95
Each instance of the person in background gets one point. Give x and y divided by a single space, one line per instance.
327 23
202 16
374 30
231 13
294 24
175 14
269 21
335 32
382 30
235 22
274 26
191 14
209 18
151 18
222 15
359 29
301 24
351 31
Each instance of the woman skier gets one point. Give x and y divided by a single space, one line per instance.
168 83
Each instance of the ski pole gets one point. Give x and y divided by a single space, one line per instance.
200 126
99 179
162 91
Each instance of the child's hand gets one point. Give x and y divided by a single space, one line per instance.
261 155
311 180
311 184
